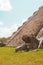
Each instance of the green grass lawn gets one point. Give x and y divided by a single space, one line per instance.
8 56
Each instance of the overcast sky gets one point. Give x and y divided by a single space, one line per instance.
14 12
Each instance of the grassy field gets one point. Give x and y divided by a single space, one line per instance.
9 57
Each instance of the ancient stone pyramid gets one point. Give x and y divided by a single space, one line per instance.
30 27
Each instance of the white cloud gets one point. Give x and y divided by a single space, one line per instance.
23 21
5 32
1 23
5 5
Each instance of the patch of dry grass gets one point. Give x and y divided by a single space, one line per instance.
8 56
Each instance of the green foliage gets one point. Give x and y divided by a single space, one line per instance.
8 56
3 40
